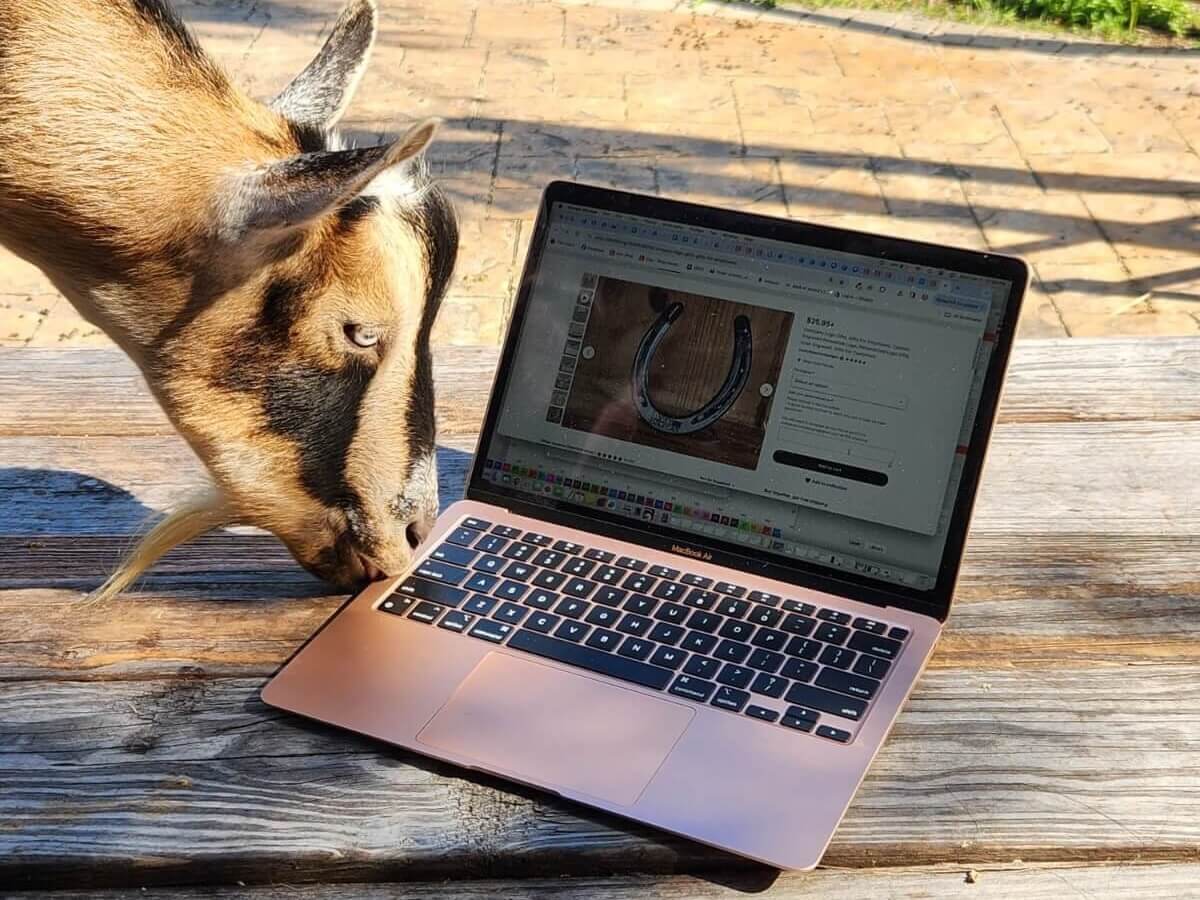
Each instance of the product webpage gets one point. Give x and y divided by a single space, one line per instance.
810 403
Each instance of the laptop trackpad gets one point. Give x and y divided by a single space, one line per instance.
556 729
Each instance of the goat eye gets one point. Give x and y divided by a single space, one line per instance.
365 336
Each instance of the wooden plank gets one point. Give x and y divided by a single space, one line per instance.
1073 600
89 392
1155 881
155 781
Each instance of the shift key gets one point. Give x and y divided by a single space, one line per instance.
432 590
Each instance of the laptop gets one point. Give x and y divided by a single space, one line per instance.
712 527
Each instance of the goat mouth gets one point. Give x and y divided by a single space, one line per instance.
371 572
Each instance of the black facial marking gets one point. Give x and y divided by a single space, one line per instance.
435 223
309 137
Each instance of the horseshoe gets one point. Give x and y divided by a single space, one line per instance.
725 397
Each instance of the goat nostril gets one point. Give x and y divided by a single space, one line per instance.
415 535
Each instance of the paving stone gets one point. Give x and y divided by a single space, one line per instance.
1052 228
1097 300
1040 127
751 184
823 186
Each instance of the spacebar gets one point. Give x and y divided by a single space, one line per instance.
593 660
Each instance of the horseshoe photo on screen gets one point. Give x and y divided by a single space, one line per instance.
678 371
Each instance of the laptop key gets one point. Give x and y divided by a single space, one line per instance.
633 624
797 723
506 531
586 657
426 612
799 712
765 660
635 648
799 670
640 604
769 685
761 712
567 547
764 597
481 582
610 596
898 633
838 657
870 625
738 631
698 642
453 554
579 587
456 621
702 666
696 581
463 536
603 639
764 615
511 590
871 666
835 634
704 621
733 608
668 657
549 580
834 734
769 639
608 575
733 590
693 688
549 559
664 633
669 590
397 605
572 607
795 606
572 631
636 581
672 612
628 562
477 524
603 615
805 648
441 572
735 676
827 701
491 543
519 571
730 698
578 566
541 599
798 624
538 540
480 605
834 616
663 572
491 630
444 594
846 683
701 599
519 551
732 651
542 622
602 556
876 646
489 564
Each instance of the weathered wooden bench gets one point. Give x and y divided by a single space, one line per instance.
1053 746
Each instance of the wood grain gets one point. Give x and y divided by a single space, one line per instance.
1058 722
149 780
1162 881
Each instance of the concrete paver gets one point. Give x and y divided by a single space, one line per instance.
1080 157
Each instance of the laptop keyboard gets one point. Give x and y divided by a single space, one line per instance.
782 661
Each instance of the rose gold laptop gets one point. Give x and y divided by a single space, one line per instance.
712 528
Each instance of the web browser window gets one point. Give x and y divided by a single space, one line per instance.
804 402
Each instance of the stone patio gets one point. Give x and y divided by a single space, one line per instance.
1081 157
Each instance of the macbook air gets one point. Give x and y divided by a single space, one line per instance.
712 528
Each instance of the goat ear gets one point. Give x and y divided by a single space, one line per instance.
293 192
320 94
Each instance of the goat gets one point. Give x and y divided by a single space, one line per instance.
276 289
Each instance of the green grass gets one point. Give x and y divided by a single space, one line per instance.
1117 20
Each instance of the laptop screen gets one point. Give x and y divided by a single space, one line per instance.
805 403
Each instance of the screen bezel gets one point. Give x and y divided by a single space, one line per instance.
934 602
